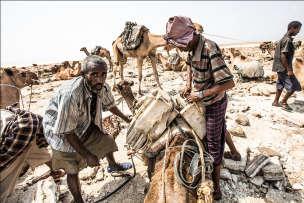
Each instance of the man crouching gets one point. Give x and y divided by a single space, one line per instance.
73 124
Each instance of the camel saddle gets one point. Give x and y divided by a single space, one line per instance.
158 120
132 36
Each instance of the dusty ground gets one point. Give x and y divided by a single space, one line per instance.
274 129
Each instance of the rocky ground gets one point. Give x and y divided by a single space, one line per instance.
258 128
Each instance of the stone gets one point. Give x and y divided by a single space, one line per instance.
245 108
237 166
242 120
250 200
88 173
225 174
256 114
257 180
257 163
279 185
250 69
267 151
237 131
277 196
273 171
298 186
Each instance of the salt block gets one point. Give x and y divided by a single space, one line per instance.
273 171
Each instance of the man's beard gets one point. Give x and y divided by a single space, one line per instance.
97 87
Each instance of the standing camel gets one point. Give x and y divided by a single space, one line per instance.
146 49
102 52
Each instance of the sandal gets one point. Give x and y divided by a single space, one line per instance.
277 105
235 157
286 107
119 167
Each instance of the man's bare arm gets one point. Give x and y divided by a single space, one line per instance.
117 112
284 61
219 88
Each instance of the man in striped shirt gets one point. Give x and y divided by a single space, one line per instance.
73 124
208 80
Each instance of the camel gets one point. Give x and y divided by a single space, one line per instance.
65 71
268 46
11 80
246 67
146 49
102 52
199 28
298 65
174 192
180 64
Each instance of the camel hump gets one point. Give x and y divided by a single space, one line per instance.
132 36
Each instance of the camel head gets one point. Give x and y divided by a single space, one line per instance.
199 28
84 49
18 77
124 89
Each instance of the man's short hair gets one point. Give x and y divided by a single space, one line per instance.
294 24
92 62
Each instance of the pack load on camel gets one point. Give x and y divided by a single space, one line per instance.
168 132
132 36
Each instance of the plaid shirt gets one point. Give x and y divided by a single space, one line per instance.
70 111
208 69
18 133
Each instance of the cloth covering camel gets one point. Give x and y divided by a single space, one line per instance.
147 48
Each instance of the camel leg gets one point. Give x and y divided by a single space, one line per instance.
114 74
139 68
153 61
121 72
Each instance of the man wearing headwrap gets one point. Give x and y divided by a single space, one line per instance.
73 124
208 80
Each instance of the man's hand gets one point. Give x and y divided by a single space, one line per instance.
186 91
193 97
92 160
290 73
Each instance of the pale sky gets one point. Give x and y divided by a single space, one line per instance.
51 32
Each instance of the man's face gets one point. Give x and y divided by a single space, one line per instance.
295 31
97 78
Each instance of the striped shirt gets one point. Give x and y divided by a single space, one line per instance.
20 130
208 69
69 111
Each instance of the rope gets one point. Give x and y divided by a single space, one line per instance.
29 106
220 36
192 152
129 177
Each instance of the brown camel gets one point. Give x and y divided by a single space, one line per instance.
11 80
65 71
102 52
199 28
146 49
174 192
180 65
